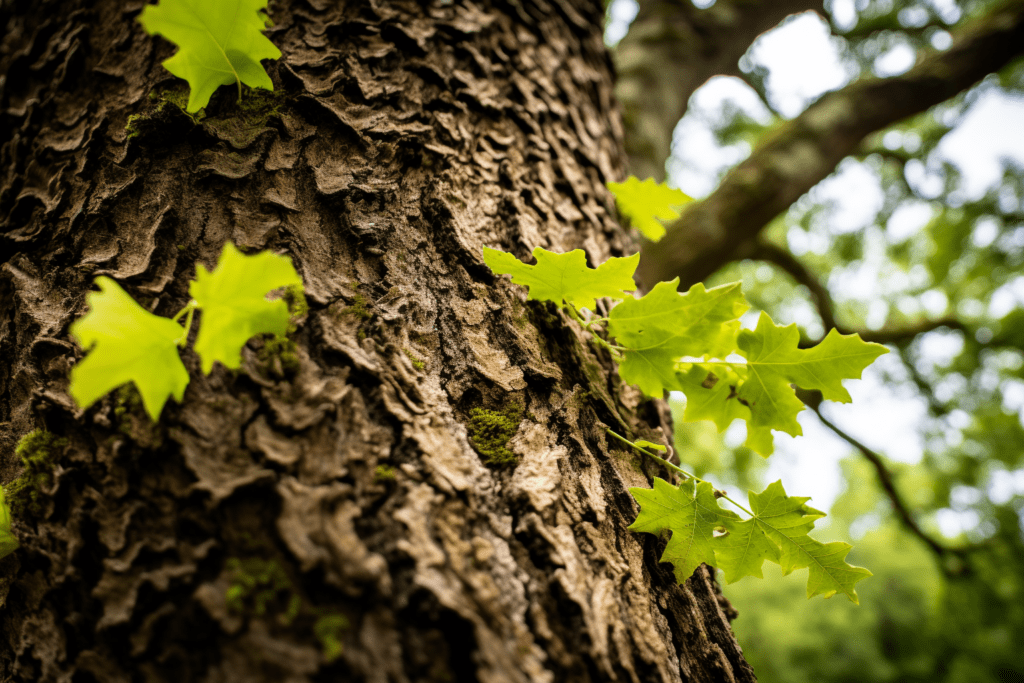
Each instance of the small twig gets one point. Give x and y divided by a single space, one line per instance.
680 470
885 478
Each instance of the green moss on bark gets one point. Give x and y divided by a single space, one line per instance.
491 430
39 451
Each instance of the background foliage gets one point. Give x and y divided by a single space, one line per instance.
898 238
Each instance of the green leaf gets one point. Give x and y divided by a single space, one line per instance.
128 344
760 391
234 305
653 368
700 322
566 277
774 361
220 42
647 203
711 394
8 541
665 325
691 512
785 522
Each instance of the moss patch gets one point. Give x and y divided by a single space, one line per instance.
38 451
328 630
416 362
280 355
359 308
240 127
259 586
384 473
491 430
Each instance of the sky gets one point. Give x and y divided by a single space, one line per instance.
804 62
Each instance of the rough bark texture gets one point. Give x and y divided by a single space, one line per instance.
724 227
672 49
260 524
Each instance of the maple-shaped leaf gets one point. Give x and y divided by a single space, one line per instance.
701 322
691 512
774 362
234 304
8 541
760 391
785 522
710 391
647 203
220 42
128 344
566 277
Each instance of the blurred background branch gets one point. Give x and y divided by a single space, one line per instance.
802 152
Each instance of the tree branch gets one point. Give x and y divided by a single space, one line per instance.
672 49
801 153
885 478
821 298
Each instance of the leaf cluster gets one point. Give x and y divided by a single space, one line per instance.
127 343
776 531
692 342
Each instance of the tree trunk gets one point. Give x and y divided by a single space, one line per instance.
336 509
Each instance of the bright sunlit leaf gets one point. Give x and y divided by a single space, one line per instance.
126 343
566 277
220 42
647 204
234 304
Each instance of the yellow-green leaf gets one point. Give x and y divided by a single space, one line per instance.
220 42
234 306
126 343
566 277
691 512
647 203
8 541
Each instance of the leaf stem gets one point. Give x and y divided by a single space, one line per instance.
190 309
666 463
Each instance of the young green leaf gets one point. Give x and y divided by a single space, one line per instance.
8 541
691 512
234 306
665 325
693 320
128 344
647 203
760 391
566 277
220 42
785 521
774 362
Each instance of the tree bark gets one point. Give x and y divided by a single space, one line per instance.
324 513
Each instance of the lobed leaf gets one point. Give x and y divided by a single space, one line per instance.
691 512
777 532
126 343
665 325
233 301
566 277
761 391
220 43
785 522
647 203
